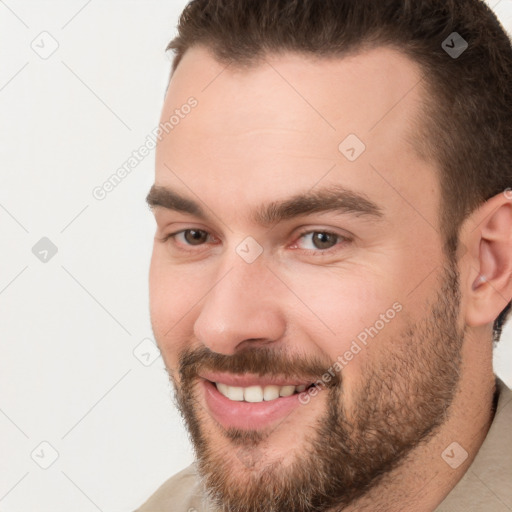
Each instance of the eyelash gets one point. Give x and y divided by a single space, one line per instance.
341 240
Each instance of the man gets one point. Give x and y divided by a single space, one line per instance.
333 255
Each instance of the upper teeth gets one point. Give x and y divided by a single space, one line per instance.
257 393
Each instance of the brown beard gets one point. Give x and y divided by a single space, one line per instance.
397 407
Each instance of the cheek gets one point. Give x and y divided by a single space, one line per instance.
347 316
167 302
175 292
342 303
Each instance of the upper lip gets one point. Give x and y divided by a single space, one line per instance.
246 380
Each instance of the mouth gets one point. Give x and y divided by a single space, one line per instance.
249 403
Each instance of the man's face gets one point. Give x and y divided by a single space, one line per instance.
361 293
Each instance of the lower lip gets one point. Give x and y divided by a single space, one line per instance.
247 415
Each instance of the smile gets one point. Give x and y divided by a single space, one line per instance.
256 394
250 401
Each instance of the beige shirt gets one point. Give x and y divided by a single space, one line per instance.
485 487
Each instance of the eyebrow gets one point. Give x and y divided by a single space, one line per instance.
333 198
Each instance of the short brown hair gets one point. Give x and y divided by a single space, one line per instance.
467 127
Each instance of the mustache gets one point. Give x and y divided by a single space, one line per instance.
262 361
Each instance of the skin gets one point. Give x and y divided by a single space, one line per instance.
266 133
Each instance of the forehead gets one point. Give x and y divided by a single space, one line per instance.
291 122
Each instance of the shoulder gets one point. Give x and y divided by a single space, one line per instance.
180 492
486 484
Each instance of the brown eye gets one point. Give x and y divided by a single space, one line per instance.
195 236
320 243
319 240
323 240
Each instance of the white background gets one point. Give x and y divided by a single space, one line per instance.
69 327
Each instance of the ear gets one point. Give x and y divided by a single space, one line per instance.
489 244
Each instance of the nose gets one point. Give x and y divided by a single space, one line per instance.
243 308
